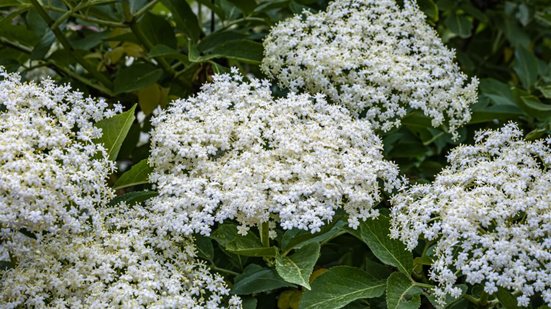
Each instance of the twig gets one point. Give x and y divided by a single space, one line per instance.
67 45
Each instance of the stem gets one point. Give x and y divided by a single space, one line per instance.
223 270
15 45
240 20
81 79
483 299
131 22
265 234
423 285
57 67
437 136
212 17
472 299
98 21
63 17
67 45
145 8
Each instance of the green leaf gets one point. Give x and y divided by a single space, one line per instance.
152 96
186 21
138 174
545 90
249 245
249 303
390 251
507 299
297 238
501 112
401 293
526 67
534 103
498 92
246 6
536 133
256 279
133 197
241 50
161 50
429 8
459 24
157 30
115 130
417 119
298 267
514 33
339 286
205 249
6 3
44 45
496 102
135 77
218 38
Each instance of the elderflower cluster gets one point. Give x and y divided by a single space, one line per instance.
374 57
126 265
489 213
235 152
52 174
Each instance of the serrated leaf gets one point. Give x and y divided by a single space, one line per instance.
133 197
389 251
298 267
114 131
339 286
401 293
256 279
136 77
138 174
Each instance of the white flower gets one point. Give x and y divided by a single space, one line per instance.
52 174
489 214
126 265
235 152
376 58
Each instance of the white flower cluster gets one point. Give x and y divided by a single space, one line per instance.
235 152
52 174
126 265
374 57
489 213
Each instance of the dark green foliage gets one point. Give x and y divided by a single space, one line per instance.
150 52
